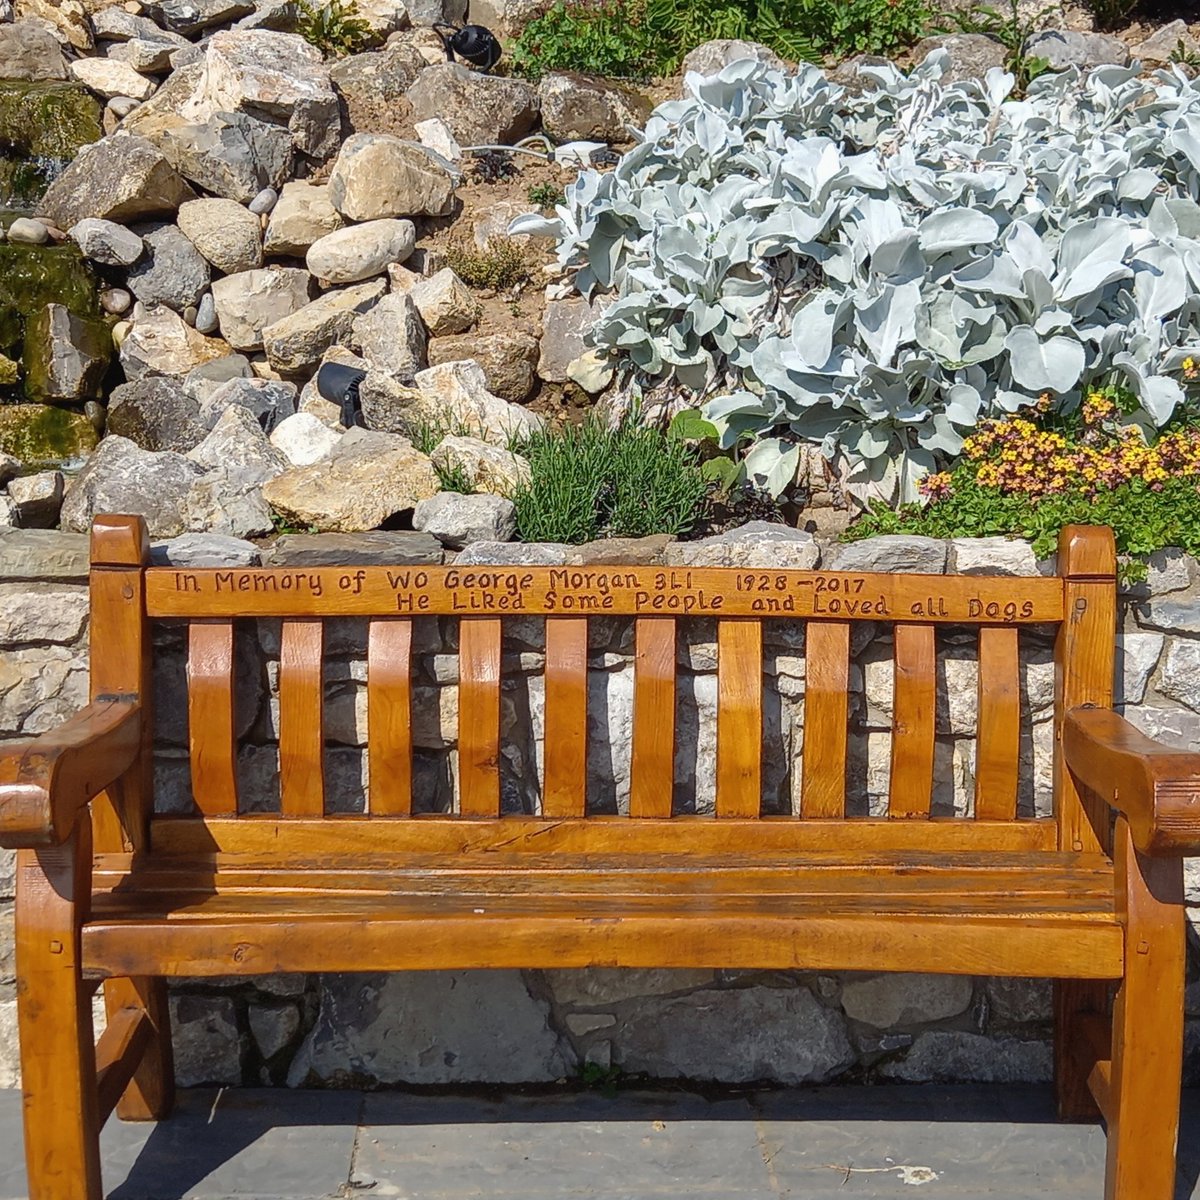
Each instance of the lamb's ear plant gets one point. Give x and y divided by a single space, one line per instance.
878 273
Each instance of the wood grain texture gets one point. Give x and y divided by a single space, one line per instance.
603 591
998 724
301 719
564 790
914 703
479 645
149 1091
739 717
1147 1043
211 736
389 718
119 664
54 1017
652 779
124 1041
827 679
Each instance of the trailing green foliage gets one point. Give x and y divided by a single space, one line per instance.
589 482
610 38
335 28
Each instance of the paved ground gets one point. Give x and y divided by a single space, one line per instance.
956 1143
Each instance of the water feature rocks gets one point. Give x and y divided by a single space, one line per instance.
278 76
368 478
480 109
579 107
508 360
109 77
445 303
457 521
106 242
122 477
42 127
156 413
251 300
228 235
44 434
392 336
377 175
233 155
297 342
361 251
28 232
66 356
172 271
121 178
28 50
302 215
159 342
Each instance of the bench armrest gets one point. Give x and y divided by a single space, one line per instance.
1156 787
46 782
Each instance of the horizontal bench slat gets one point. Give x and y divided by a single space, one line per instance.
628 591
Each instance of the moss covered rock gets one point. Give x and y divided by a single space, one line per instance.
42 127
40 434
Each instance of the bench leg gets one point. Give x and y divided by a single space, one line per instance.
54 1016
1075 1001
150 1095
1143 1102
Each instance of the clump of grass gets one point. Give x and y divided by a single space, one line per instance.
589 482
428 435
547 195
503 265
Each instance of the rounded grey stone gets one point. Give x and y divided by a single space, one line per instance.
264 201
28 231
206 314
115 301
190 313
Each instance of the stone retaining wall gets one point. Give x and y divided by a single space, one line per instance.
527 1026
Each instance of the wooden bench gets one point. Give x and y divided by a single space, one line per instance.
109 893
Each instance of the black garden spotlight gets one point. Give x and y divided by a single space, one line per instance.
472 43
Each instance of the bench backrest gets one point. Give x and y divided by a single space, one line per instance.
127 596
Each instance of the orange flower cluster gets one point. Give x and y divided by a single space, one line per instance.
1017 457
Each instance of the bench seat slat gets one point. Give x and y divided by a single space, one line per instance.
211 732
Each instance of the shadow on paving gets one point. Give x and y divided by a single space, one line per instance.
963 1142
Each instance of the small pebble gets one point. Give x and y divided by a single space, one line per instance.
115 301
190 314
206 314
29 231
264 201
122 106
94 411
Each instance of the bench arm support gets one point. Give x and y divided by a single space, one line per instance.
45 783
1155 787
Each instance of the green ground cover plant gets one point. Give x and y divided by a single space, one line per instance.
335 28
589 482
612 38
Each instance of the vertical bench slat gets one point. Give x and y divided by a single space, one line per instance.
389 717
653 769
211 737
998 725
301 719
827 677
479 640
739 717
914 703
565 746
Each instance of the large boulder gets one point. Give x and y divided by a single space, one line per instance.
268 401
109 77
579 107
161 343
457 521
485 467
227 234
1063 48
368 478
297 342
709 58
171 272
277 77
373 85
480 109
122 477
44 433
121 178
445 303
251 300
29 51
361 251
157 413
564 327
508 360
233 155
193 16
377 175
972 55
303 214
392 336
66 356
